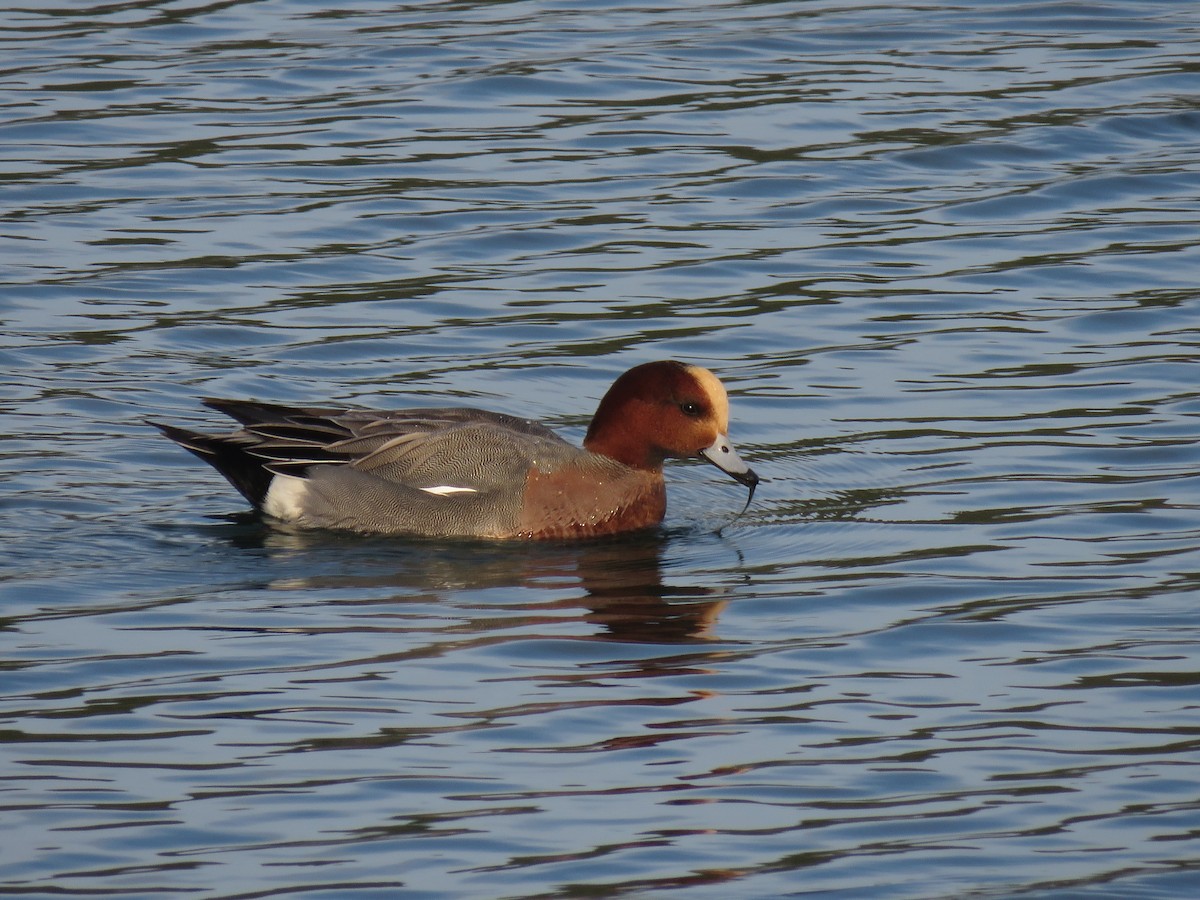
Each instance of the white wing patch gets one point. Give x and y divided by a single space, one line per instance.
445 490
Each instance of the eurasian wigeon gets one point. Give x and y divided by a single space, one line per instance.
471 473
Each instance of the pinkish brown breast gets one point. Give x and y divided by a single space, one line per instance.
577 503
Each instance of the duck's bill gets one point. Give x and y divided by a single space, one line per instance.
722 455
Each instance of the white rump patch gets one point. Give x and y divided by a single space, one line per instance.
285 498
444 490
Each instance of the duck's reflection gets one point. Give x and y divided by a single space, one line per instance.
616 583
624 592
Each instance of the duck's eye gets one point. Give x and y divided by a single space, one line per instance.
690 409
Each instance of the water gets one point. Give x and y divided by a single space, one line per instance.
945 258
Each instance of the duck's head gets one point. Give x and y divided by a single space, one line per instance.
663 410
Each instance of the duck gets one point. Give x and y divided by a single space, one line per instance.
457 472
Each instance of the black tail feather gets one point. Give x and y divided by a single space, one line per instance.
251 412
230 455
